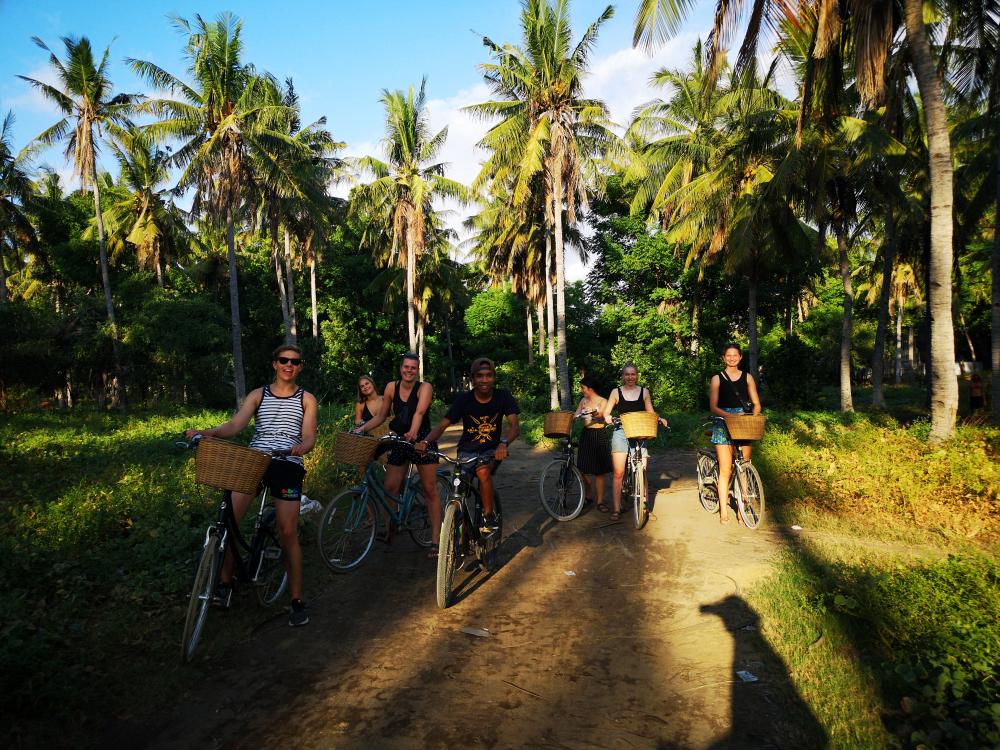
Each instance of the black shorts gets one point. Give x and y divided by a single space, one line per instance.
401 455
284 479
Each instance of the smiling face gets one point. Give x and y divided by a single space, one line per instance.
586 391
366 387
629 376
732 357
286 371
484 380
408 370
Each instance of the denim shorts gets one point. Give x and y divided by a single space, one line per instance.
620 443
719 434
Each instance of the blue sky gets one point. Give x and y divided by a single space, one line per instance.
340 55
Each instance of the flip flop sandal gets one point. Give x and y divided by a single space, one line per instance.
603 507
615 516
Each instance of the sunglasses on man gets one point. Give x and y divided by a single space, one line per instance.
289 361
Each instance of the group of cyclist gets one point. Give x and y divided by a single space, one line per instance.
285 418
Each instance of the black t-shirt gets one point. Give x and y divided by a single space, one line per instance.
481 422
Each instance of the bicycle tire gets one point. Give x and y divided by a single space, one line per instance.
640 510
346 531
449 549
708 483
272 578
561 490
418 522
751 507
491 557
202 590
627 490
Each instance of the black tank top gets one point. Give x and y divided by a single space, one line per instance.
625 406
403 411
728 399
366 415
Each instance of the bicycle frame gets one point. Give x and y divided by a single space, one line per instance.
373 488
230 528
739 462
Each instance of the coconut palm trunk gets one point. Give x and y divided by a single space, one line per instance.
3 280
531 334
944 384
312 295
695 321
752 320
899 341
847 325
550 326
878 356
293 330
102 250
282 291
562 358
239 378
540 314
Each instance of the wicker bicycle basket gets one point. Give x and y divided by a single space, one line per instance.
745 426
228 466
639 425
558 424
357 450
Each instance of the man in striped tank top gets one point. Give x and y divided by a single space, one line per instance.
284 419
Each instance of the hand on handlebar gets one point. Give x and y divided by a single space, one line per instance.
298 450
501 452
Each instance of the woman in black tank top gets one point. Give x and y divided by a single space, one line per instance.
368 401
628 397
730 391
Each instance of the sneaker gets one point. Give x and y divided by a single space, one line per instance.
298 615
490 524
223 595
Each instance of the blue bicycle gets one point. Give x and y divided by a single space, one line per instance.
349 525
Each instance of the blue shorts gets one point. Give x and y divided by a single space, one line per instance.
620 443
719 434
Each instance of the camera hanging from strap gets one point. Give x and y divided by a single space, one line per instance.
747 404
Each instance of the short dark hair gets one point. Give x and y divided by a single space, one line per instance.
410 355
593 384
285 348
480 363
732 345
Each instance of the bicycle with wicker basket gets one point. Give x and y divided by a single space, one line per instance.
745 484
350 522
259 561
640 428
560 486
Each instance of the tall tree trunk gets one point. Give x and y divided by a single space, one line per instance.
157 262
119 392
312 295
540 314
239 377
563 353
878 356
3 280
899 341
968 338
282 291
696 318
531 334
847 326
550 326
752 322
293 329
411 304
995 315
944 384
420 343
451 358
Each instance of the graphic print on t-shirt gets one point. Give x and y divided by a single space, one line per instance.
483 429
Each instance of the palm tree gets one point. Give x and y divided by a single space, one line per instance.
84 96
871 29
400 197
229 123
546 129
15 194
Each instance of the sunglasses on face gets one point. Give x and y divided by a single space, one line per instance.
290 361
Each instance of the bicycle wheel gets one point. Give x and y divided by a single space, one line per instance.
708 483
205 580
272 578
346 531
418 523
561 490
449 550
752 507
491 557
640 511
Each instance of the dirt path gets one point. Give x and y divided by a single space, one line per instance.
601 637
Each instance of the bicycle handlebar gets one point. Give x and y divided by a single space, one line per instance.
430 452
193 443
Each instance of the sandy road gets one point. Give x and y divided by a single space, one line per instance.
601 636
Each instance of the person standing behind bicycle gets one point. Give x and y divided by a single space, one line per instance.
732 391
369 399
628 397
481 411
594 456
284 419
409 401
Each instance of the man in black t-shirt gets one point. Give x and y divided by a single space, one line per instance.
481 412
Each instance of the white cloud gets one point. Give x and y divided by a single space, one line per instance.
31 99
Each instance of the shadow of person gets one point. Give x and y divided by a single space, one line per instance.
767 711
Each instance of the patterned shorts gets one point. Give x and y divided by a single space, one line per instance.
719 434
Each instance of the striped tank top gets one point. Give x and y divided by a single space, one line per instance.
278 422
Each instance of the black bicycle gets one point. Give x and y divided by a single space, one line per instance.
561 487
259 561
461 530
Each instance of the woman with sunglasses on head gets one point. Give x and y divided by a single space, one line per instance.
284 418
732 391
